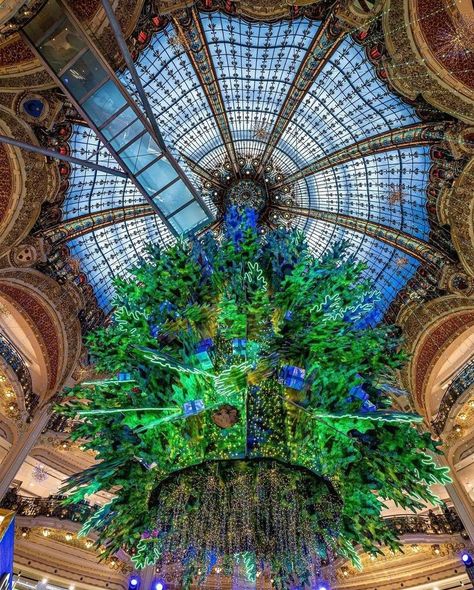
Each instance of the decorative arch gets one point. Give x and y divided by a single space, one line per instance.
456 209
8 430
429 329
420 63
50 310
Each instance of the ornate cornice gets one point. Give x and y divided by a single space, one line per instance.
411 66
27 181
428 329
255 9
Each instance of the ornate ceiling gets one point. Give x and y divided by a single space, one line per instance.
358 115
294 105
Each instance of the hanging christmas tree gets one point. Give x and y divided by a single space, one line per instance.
245 422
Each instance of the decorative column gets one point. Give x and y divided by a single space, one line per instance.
20 450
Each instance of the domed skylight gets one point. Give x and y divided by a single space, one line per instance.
296 107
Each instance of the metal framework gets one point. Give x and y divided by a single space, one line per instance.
412 135
79 226
200 171
36 149
320 50
73 60
404 242
198 53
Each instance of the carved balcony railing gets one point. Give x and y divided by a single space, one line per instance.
446 523
52 507
60 423
12 356
459 385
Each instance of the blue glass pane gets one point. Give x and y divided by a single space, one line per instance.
157 176
191 216
173 197
106 101
139 154
127 135
118 123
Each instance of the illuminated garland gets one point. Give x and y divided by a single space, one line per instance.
237 353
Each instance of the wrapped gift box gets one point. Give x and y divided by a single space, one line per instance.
239 346
203 361
292 377
193 407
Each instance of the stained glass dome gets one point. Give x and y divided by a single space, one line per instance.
293 107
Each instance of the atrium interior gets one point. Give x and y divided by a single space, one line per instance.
237 294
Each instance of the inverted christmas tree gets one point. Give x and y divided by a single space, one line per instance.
244 422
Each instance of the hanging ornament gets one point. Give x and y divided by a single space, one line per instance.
226 416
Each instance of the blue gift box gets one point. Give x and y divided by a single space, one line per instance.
358 392
368 406
124 377
239 346
193 407
292 377
205 345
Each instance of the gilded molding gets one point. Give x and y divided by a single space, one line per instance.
456 209
33 180
420 561
428 329
412 69
255 9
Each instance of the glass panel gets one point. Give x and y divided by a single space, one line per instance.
61 45
106 101
156 177
189 218
119 122
84 75
139 154
128 134
44 21
174 197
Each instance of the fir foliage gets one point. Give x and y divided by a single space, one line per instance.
222 322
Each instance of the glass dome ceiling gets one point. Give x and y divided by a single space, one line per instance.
294 105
